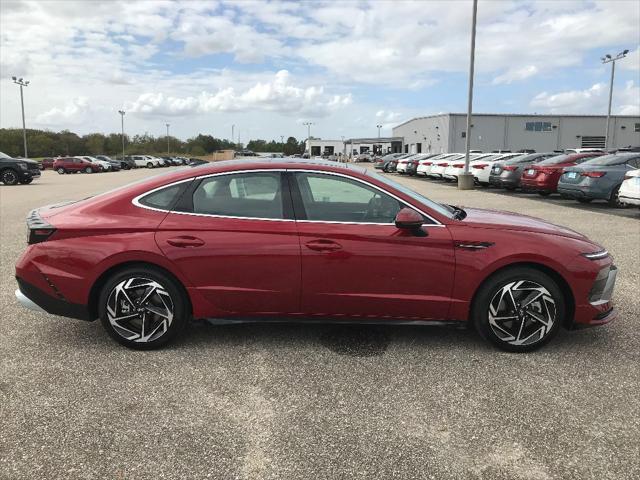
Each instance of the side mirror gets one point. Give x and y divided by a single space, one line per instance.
407 218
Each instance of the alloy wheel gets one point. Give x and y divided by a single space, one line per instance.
522 313
139 309
9 177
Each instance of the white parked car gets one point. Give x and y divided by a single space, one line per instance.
456 167
106 166
401 166
481 169
438 167
157 162
141 161
424 167
629 192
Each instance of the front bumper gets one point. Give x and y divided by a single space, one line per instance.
599 310
33 298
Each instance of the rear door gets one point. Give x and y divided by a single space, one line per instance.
355 262
235 239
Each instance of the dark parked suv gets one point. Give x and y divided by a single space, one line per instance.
17 170
75 165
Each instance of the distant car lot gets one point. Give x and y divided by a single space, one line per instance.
312 401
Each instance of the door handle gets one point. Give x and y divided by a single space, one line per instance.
323 245
185 241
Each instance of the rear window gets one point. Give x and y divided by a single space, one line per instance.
555 160
163 199
610 160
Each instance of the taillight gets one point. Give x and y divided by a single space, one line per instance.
39 229
443 164
480 167
426 163
510 168
592 174
458 165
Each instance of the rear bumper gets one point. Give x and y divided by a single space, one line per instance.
577 191
507 182
629 200
536 185
33 298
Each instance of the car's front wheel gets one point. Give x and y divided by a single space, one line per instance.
88 170
149 165
142 307
519 309
26 181
61 171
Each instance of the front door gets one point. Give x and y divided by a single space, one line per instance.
355 262
237 244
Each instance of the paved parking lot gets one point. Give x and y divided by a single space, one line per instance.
307 402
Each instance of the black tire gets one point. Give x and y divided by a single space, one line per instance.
510 189
126 166
88 170
26 181
172 295
149 165
544 194
61 171
551 304
9 176
614 199
585 200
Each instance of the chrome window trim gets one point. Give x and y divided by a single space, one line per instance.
136 200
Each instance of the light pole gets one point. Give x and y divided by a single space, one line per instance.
167 124
122 112
233 128
308 124
609 59
465 180
23 83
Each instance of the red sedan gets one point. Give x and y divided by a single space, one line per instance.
281 241
543 176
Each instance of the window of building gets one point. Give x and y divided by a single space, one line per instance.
250 195
463 134
538 126
636 127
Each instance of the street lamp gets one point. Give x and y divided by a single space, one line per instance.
233 128
308 124
23 83
167 124
122 112
379 127
609 59
465 180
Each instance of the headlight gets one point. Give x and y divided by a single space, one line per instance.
599 255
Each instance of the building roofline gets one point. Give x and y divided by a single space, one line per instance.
546 115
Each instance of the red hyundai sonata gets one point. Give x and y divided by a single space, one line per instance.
281 241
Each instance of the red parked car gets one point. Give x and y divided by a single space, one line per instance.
74 165
281 241
46 163
543 177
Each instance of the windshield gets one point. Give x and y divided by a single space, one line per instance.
4 155
610 160
438 207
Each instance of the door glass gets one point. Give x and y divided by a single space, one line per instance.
250 195
337 199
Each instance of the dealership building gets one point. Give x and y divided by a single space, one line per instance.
447 132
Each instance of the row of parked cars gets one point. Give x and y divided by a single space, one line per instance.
582 174
104 163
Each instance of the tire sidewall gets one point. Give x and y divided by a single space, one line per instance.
12 180
491 286
173 289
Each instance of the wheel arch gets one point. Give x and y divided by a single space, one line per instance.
94 293
570 303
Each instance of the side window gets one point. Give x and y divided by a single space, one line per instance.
332 198
164 198
249 195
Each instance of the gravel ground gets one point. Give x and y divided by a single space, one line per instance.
306 402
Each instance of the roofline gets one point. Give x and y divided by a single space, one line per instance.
546 115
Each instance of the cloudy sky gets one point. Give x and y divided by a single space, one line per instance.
269 66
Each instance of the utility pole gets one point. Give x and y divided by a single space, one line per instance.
308 124
23 83
167 124
609 59
122 112
465 180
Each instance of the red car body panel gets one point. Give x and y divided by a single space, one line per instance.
74 164
545 178
242 267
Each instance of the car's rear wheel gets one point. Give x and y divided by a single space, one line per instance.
61 171
585 200
149 165
519 309
544 193
9 177
142 307
614 198
88 170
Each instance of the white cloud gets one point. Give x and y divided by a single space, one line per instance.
277 94
73 112
516 74
591 100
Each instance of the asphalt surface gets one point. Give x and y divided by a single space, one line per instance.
307 402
